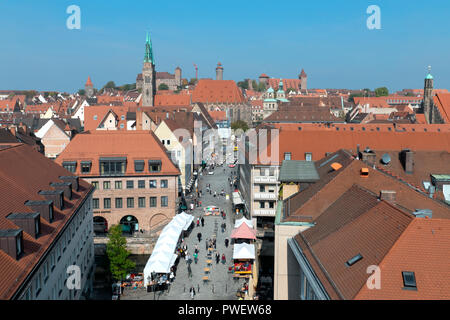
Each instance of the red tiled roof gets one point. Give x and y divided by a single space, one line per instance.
172 100
287 83
135 145
442 102
94 115
23 173
218 115
422 248
221 91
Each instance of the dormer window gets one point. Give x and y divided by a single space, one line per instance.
139 165
154 165
70 166
86 166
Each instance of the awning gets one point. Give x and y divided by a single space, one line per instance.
243 232
244 251
237 200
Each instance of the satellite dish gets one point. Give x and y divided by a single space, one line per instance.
386 158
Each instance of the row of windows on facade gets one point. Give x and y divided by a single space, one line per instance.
262 204
113 167
308 156
48 266
153 202
130 184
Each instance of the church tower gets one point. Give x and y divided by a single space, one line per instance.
428 97
219 72
148 75
89 88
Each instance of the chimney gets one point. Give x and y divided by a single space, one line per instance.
139 119
388 195
75 180
369 157
409 162
57 196
66 187
44 208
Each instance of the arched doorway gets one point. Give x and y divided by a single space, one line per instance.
129 224
100 225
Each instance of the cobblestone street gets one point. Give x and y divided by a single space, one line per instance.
221 285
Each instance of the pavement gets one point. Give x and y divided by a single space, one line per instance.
221 285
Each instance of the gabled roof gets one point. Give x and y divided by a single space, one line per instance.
442 102
172 100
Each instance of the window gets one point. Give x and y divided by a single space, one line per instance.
153 202
164 201
95 117
271 204
409 280
52 261
262 188
95 203
45 271
112 166
106 185
308 156
122 117
141 184
139 165
168 142
37 227
262 204
118 184
38 283
130 202
154 165
119 203
95 184
141 202
153 184
107 203
121 126
164 183
19 245
262 172
130 184
287 156
70 166
86 166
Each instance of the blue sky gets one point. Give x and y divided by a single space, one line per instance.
329 39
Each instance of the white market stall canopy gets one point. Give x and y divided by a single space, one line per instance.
238 223
237 199
163 255
244 251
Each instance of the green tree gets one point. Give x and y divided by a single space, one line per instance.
163 86
110 85
382 91
239 125
117 252
254 85
261 87
243 84
193 81
82 92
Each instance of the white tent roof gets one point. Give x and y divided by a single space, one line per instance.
178 221
244 251
238 223
188 219
158 266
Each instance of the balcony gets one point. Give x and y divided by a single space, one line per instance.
265 179
265 196
264 212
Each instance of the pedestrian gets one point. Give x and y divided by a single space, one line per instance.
217 258
226 242
223 228
199 236
214 243
198 222
206 244
223 258
172 276
192 292
203 222
195 257
196 248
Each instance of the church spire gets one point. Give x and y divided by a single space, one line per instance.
148 50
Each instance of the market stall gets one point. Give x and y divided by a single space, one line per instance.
238 222
243 232
243 251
